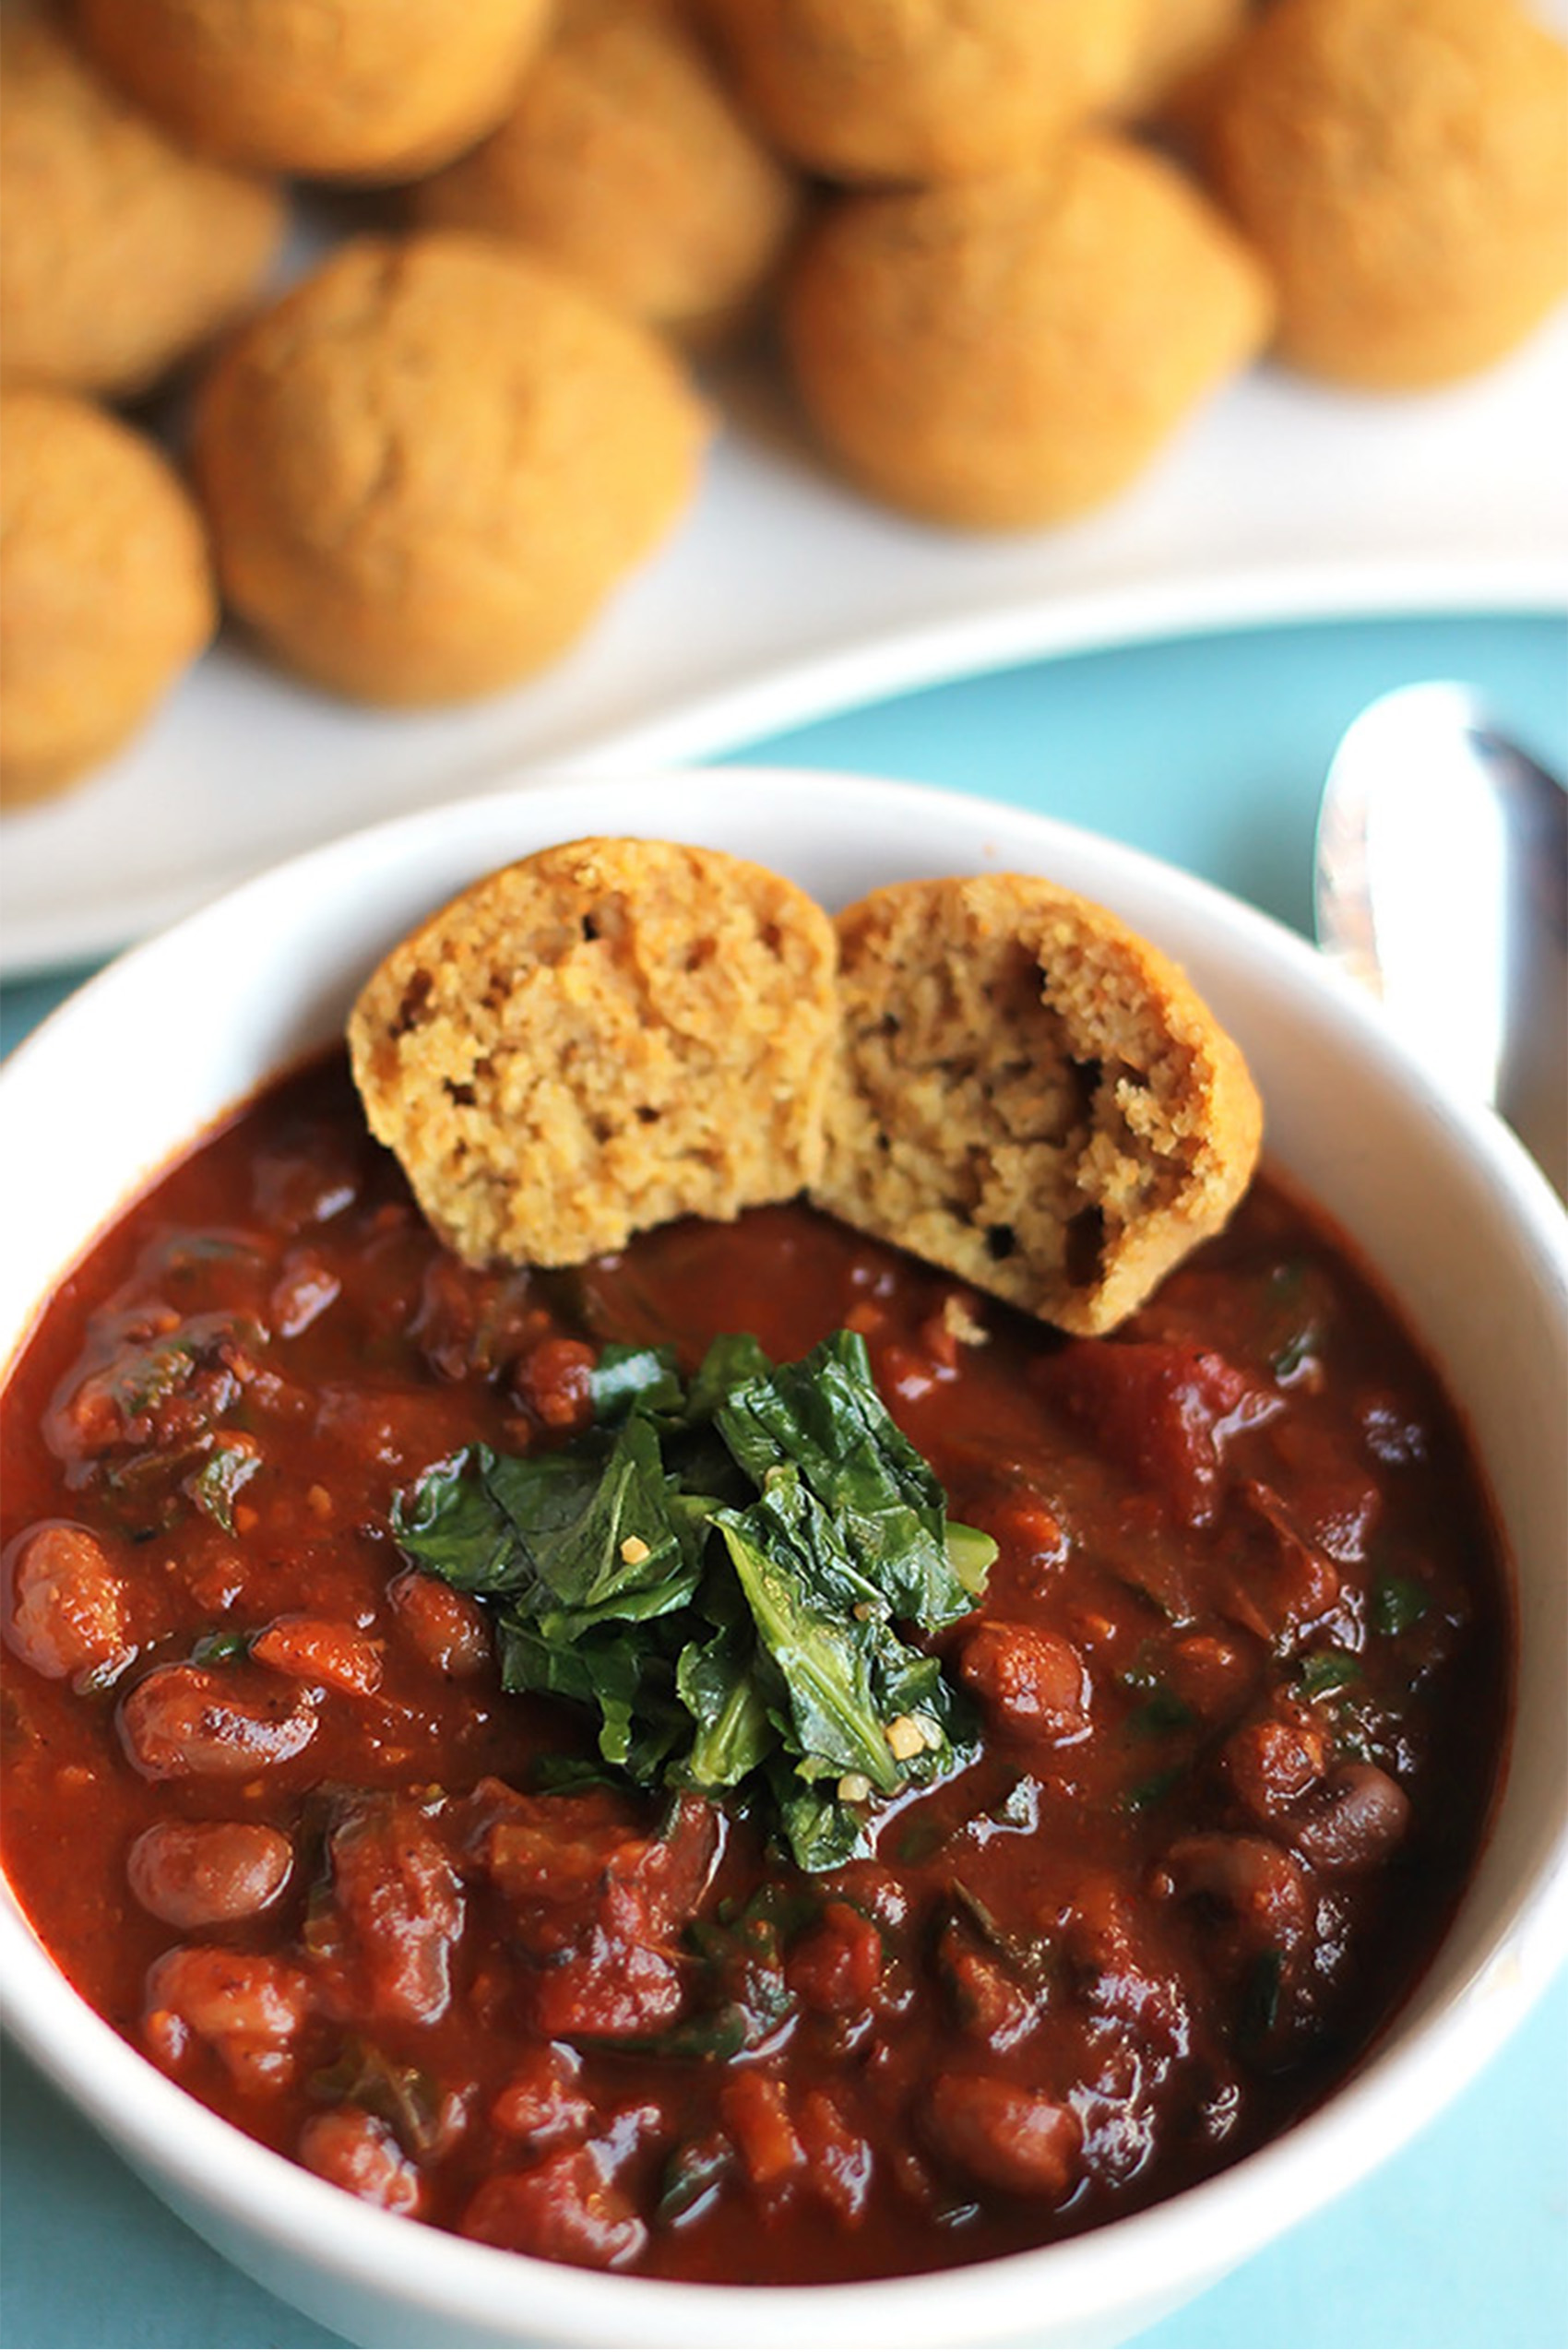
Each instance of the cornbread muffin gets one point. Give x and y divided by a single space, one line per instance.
1006 352
356 90
1029 1095
119 252
921 90
603 1037
1176 41
1403 167
105 593
428 465
625 162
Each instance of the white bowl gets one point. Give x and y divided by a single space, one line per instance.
1466 1234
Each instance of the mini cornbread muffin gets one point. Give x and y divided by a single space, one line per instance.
1403 166
625 162
921 90
105 592
428 465
602 1038
1006 352
356 90
119 252
1177 39
1030 1096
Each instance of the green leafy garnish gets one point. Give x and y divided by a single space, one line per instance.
1161 1711
1286 1361
1031 1959
217 1480
693 2175
628 1376
1143 1795
721 1574
405 2097
146 1377
1398 1602
216 1649
1325 1671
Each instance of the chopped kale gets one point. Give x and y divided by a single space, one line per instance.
1324 1671
722 1575
216 1649
405 2097
222 1472
1398 1602
693 2174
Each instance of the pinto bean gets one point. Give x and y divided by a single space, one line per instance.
450 1631
553 1380
198 1874
317 1649
357 2151
1213 1673
1032 1680
399 1904
181 1722
1005 2135
1027 1523
1272 1762
1118 1973
66 1611
541 2103
567 2208
1256 1895
1357 1819
247 2007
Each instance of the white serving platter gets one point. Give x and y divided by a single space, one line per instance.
784 595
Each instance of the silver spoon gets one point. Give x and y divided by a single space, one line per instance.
1442 881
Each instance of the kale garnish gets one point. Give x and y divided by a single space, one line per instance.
723 1574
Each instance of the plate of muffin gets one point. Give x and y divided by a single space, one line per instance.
393 399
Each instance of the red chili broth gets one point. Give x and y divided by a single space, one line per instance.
1251 1517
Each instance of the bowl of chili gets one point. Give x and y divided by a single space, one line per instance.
1232 1840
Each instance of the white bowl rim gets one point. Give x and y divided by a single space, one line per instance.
1182 2240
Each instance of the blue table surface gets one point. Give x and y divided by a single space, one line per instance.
1208 751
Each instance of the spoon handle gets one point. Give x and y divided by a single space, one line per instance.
1532 1084
1442 882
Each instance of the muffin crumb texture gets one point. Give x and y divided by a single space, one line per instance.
1030 1095
606 1036
991 1073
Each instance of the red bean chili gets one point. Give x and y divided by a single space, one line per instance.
1243 1666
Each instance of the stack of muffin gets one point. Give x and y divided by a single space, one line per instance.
1002 248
